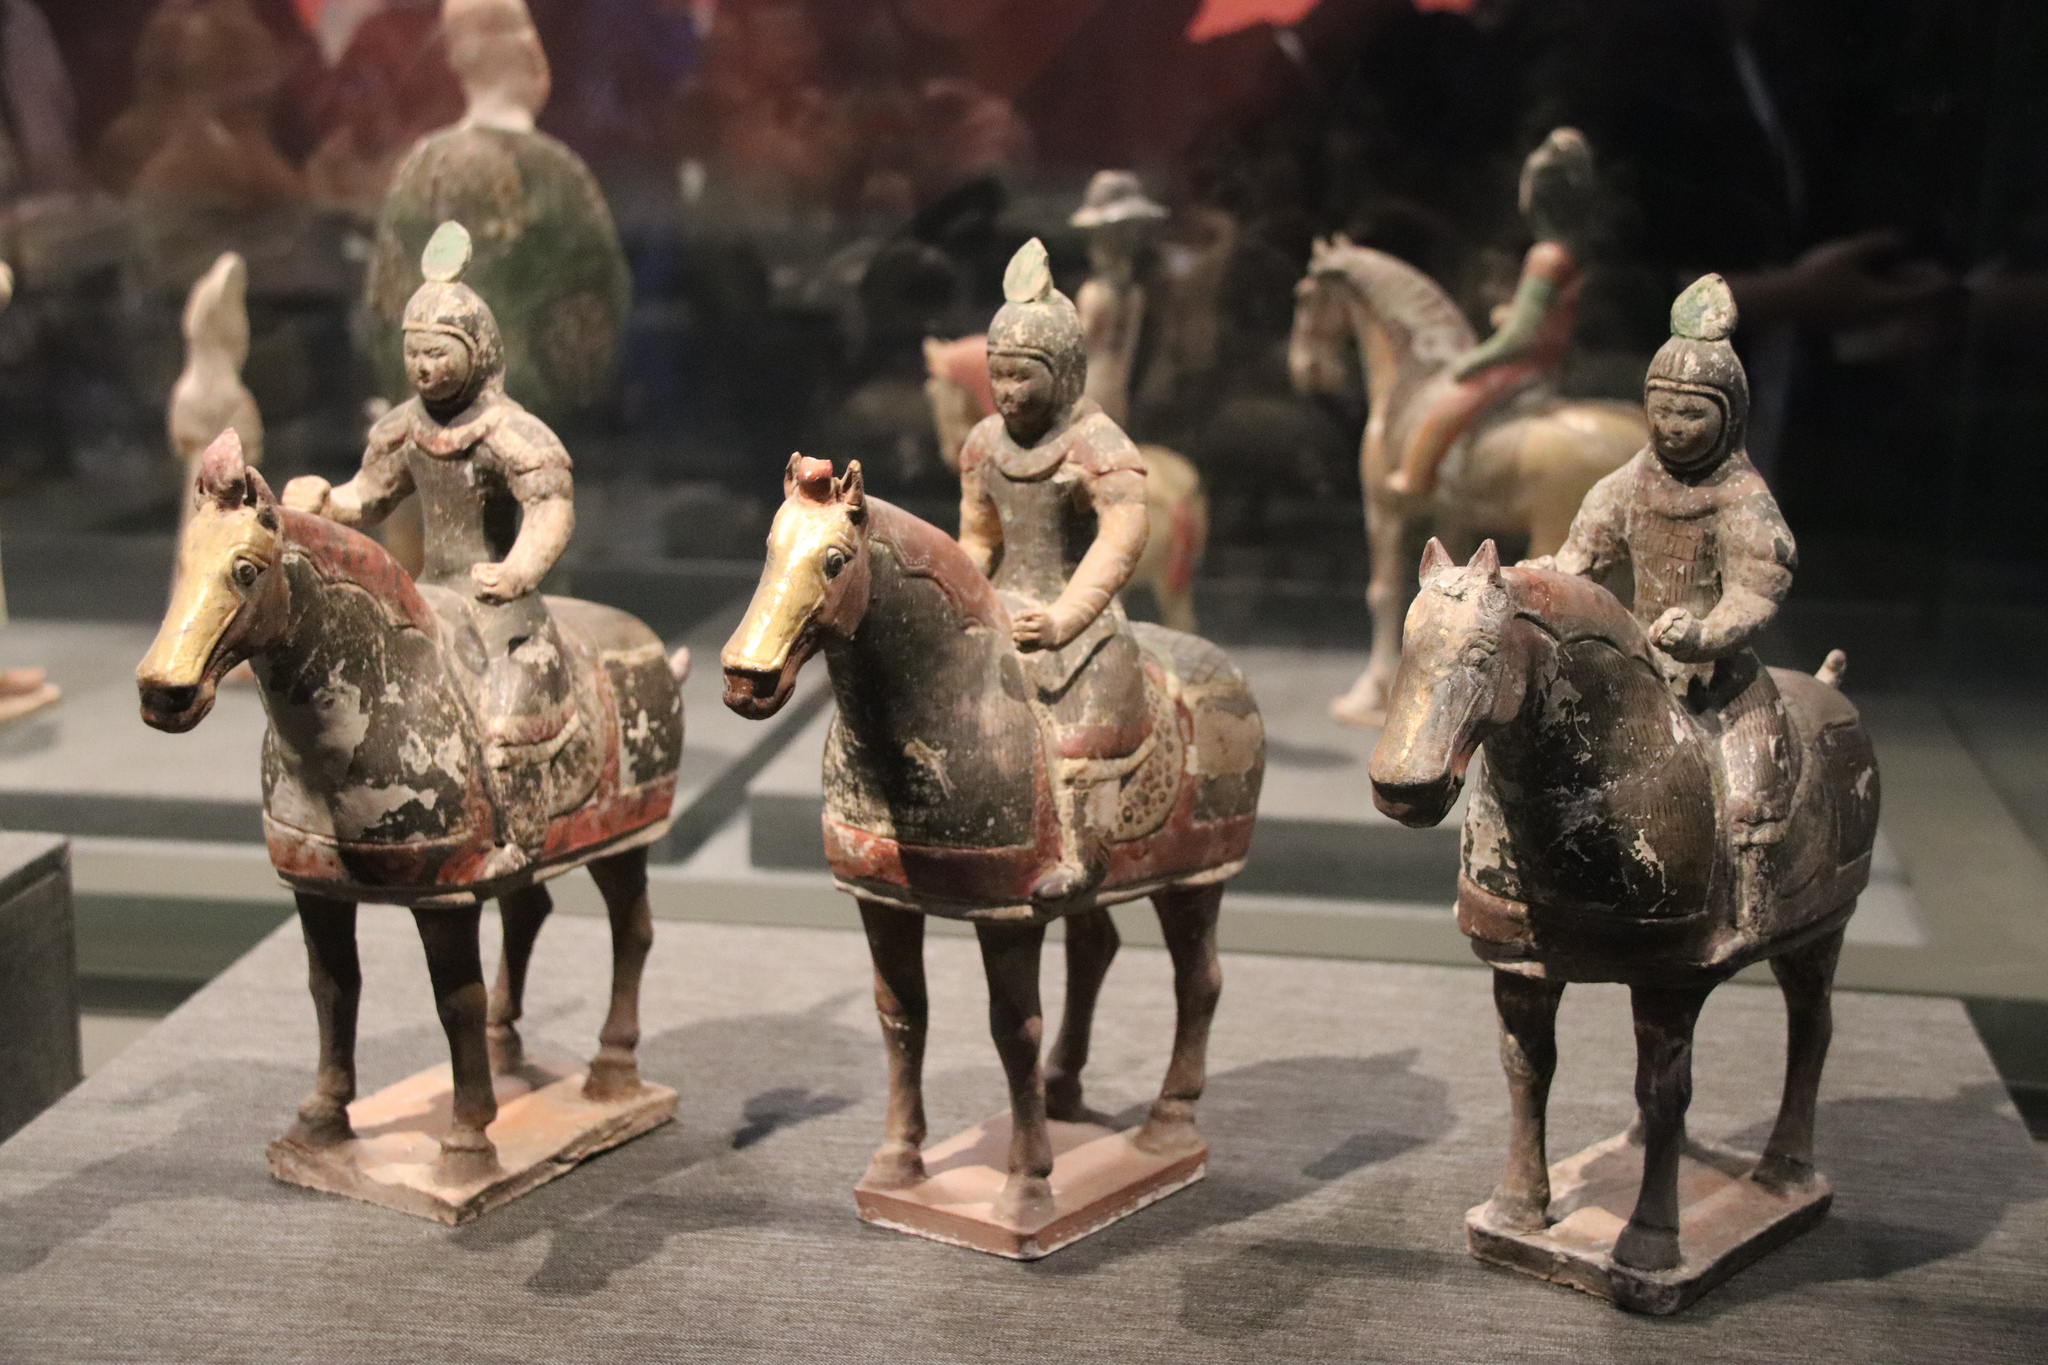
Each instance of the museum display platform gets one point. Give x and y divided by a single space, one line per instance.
1354 1111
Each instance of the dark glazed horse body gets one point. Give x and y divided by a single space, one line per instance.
375 784
1597 848
937 802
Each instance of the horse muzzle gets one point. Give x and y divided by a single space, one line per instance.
175 707
758 693
1417 805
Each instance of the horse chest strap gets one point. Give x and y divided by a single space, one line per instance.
1493 919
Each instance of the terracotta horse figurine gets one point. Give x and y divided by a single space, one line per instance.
1176 507
937 802
1597 848
375 784
1522 469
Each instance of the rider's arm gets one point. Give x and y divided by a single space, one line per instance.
1544 272
1757 559
1598 539
981 529
384 481
1121 528
536 469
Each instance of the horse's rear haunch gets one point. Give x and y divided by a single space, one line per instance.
378 782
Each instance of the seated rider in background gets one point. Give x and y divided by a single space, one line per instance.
485 469
1052 508
1713 559
1534 330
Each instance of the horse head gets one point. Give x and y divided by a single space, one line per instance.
1319 341
1403 321
227 600
813 588
1464 670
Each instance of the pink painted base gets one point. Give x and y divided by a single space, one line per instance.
1099 1175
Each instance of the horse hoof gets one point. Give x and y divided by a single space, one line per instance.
1169 1131
1063 1099
1025 1200
610 1081
1783 1174
1642 1248
1516 1215
323 1122
508 1054
466 1156
896 1165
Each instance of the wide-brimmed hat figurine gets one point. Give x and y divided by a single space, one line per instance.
1116 197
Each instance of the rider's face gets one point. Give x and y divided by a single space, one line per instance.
1684 427
1025 394
438 366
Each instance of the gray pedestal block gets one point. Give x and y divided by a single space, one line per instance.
39 1057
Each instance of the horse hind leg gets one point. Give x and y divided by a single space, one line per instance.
335 978
1010 954
523 913
457 971
1807 977
1664 1026
1187 919
622 881
1092 942
896 943
1528 1054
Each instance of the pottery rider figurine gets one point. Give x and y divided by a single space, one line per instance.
1713 559
1533 332
482 466
1052 508
1122 223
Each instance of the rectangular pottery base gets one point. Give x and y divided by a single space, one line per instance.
544 1127
1098 1176
1725 1221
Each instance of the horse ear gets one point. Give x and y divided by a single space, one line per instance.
789 473
1341 239
1436 560
259 491
221 470
852 494
1486 559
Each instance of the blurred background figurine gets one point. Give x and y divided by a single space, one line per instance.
22 690
209 394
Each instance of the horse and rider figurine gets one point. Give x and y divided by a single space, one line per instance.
1655 807
1009 749
438 743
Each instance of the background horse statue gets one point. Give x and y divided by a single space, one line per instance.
937 802
1176 507
1597 847
375 784
1522 469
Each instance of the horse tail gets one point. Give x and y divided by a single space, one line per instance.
1833 667
679 664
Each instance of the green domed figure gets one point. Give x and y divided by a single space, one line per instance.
546 252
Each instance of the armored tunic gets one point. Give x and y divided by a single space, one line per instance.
1717 547
1040 504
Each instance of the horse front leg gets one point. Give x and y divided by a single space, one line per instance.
896 943
1010 954
1187 920
622 881
457 971
522 913
335 978
1092 942
1807 977
1386 598
1528 1054
1664 1025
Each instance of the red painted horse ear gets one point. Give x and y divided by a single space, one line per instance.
812 478
1486 559
852 494
1436 560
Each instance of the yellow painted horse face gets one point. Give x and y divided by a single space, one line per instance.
814 586
227 589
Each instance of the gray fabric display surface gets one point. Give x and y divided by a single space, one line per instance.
1354 1110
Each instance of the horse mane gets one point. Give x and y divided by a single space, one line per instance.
1570 608
1401 294
924 551
341 555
